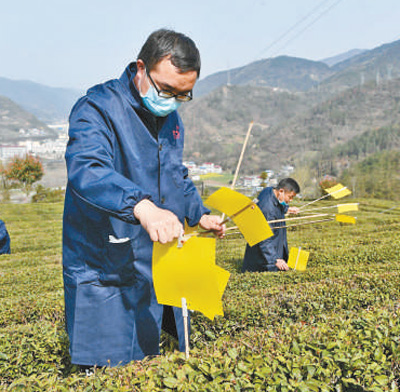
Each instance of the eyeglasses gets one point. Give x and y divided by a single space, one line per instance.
167 94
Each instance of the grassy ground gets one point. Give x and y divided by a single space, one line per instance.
334 327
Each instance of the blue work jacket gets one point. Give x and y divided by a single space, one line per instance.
113 162
263 256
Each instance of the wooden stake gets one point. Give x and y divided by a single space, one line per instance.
185 326
241 155
246 139
297 258
298 218
305 223
322 197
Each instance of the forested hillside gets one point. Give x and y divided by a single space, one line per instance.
216 124
376 176
288 126
284 72
379 64
13 119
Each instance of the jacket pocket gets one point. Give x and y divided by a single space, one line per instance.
120 268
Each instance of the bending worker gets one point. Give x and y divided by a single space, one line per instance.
127 187
272 253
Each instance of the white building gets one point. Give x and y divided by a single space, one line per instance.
9 152
48 149
251 181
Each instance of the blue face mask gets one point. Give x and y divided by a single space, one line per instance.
283 203
159 106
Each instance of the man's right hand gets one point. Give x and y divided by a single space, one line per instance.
162 225
281 264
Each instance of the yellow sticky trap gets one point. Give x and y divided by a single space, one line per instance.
346 219
298 259
338 191
347 207
251 221
189 272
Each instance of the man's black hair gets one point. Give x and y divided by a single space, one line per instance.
162 43
289 185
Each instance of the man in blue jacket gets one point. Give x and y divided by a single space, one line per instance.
127 187
4 239
272 253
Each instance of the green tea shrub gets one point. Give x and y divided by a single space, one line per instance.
334 327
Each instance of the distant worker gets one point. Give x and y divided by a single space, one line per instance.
272 253
4 239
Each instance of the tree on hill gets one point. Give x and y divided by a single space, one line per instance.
24 171
376 176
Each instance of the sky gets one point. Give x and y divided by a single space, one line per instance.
79 43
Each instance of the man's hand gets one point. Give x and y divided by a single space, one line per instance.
293 210
281 264
162 225
213 222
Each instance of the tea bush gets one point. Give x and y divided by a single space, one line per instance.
334 327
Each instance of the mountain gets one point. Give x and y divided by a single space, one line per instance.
334 122
288 126
49 104
216 124
328 76
284 72
331 61
16 123
379 64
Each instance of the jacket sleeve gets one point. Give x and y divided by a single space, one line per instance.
194 208
89 157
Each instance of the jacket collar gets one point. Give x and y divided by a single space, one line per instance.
127 80
275 201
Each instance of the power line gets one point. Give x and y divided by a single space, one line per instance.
299 22
290 29
307 26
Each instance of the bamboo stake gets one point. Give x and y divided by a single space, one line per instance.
297 258
240 159
322 197
306 223
196 233
185 326
241 155
298 218
323 208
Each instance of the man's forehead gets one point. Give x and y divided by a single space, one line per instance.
291 193
169 75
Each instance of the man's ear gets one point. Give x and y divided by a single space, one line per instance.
141 68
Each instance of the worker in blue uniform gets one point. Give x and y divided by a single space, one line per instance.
5 247
127 187
272 254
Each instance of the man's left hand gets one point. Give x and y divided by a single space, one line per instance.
213 222
293 210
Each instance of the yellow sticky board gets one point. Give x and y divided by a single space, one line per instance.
346 219
251 222
189 272
347 207
338 191
298 259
